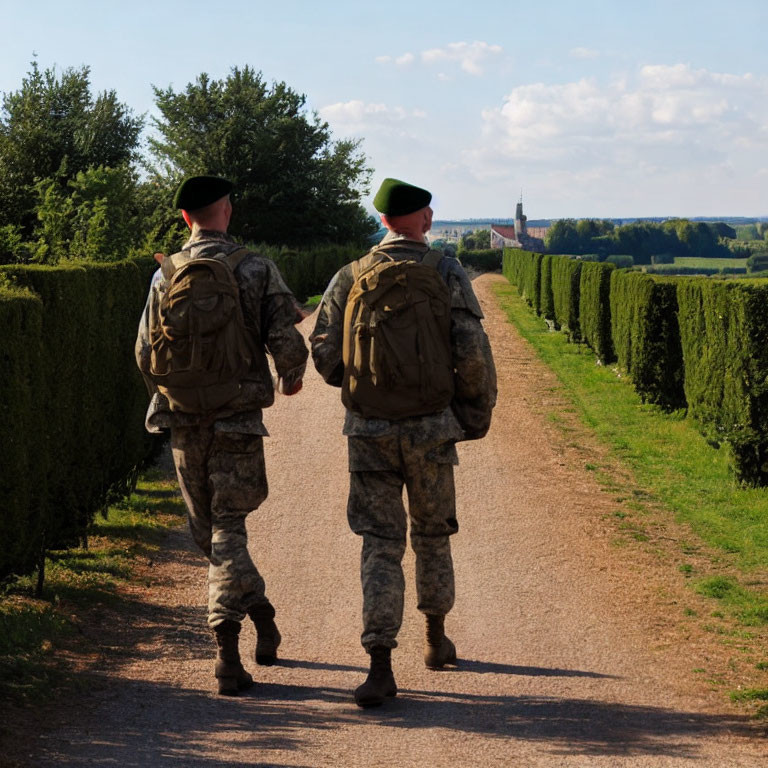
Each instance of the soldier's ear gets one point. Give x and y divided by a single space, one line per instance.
427 219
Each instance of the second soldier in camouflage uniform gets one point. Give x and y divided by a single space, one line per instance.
219 456
417 453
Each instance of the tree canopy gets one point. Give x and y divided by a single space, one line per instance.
643 240
293 183
53 128
478 240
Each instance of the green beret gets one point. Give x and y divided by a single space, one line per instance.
199 191
397 198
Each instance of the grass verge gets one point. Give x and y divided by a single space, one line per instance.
672 465
36 635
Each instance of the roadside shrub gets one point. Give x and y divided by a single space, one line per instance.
531 279
547 299
78 430
620 260
23 466
595 308
663 258
485 260
511 265
566 275
646 336
757 262
308 271
723 329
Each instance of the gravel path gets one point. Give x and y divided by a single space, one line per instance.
572 649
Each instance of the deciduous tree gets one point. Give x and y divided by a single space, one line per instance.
293 183
53 128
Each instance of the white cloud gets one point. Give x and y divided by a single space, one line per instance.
358 116
667 132
470 57
401 61
667 115
584 53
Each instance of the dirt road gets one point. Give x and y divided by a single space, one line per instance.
571 650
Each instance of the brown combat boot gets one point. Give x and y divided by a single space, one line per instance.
230 675
267 636
438 649
380 681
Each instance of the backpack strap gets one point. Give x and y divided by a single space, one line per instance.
170 264
432 258
234 258
369 261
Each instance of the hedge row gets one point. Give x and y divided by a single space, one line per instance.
595 308
646 336
483 260
21 318
692 342
71 401
308 272
566 276
723 330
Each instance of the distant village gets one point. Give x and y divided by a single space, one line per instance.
503 235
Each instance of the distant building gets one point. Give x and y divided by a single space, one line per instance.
519 236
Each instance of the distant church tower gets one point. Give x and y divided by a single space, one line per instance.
520 220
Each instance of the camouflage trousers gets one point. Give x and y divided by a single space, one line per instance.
379 469
222 478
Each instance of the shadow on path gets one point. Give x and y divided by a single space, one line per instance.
487 667
299 664
165 726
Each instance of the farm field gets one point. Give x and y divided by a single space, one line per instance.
691 261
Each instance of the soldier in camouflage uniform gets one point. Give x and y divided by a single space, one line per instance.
418 453
219 456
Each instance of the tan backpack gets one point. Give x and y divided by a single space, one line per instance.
397 338
201 347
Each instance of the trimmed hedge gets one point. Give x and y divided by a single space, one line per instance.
483 260
547 299
695 341
523 269
22 473
530 274
646 336
510 266
308 272
566 277
595 309
723 329
79 434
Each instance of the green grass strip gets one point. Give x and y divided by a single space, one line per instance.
670 460
33 631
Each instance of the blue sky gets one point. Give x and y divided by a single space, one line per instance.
592 108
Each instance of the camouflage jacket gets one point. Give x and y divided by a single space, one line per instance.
270 311
475 374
